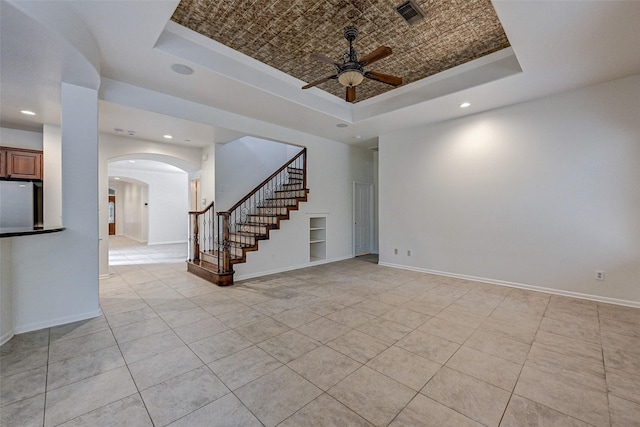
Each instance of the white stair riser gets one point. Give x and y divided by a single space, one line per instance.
281 202
245 240
263 219
236 251
289 187
254 228
273 210
289 194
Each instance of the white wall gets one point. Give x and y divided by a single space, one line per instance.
168 194
243 164
52 171
376 216
539 194
207 175
20 139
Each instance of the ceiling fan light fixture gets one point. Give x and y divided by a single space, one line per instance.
350 78
350 70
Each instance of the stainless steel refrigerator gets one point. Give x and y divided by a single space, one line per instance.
16 204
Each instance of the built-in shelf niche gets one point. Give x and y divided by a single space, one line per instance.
317 238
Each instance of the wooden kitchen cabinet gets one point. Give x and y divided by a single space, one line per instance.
3 163
20 163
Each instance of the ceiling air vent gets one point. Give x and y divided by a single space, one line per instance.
411 12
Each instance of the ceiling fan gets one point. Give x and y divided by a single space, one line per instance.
350 72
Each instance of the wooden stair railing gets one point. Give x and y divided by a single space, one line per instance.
240 221
239 229
196 241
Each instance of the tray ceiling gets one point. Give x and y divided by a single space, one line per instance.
283 33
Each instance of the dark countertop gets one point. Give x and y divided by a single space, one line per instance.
27 231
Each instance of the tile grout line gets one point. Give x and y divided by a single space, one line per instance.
122 354
201 360
46 379
449 358
524 362
604 364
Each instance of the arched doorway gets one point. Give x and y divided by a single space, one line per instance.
151 199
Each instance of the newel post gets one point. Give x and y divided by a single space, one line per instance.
196 239
226 255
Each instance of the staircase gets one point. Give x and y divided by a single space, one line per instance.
219 240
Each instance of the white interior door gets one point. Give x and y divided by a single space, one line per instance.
362 218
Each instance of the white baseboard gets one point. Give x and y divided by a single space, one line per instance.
132 238
6 337
289 268
55 322
616 301
166 243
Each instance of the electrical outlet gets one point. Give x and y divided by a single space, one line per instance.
600 275
408 253
395 251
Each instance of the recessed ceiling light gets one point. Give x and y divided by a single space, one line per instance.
116 178
342 125
168 136
465 105
182 69
28 113
132 161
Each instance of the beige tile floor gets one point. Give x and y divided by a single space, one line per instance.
343 344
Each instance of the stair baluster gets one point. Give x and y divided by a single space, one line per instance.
198 241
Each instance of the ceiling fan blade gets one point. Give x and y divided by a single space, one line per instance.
325 59
322 80
376 55
384 78
351 94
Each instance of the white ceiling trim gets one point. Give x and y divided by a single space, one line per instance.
195 48
149 163
157 102
483 70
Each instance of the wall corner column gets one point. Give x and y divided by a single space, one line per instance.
55 276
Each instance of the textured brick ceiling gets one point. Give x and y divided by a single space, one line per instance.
283 33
